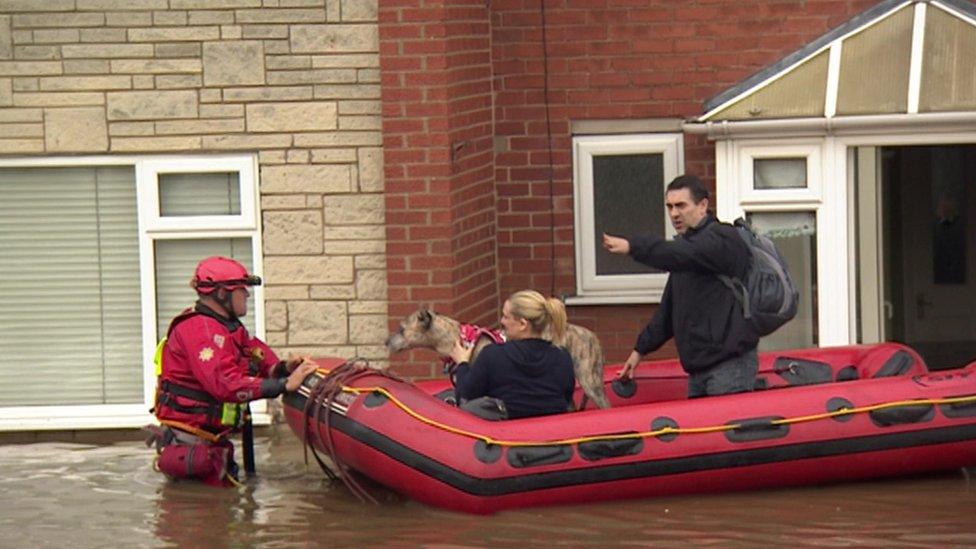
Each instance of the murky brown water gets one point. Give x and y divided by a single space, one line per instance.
79 496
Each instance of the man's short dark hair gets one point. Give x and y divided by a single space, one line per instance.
693 184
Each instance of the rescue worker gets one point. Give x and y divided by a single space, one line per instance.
210 369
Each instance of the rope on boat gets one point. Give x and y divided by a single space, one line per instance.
321 396
642 434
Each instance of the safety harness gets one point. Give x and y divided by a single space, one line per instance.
470 334
226 414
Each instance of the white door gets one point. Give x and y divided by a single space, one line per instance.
782 187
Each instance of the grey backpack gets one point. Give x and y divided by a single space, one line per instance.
768 295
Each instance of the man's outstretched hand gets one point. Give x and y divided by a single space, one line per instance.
616 244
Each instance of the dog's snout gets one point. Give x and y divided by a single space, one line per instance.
393 341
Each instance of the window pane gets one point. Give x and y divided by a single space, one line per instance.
628 199
795 236
948 83
797 94
779 173
70 310
874 67
182 194
175 262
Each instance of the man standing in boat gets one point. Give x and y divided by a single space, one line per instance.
716 344
209 368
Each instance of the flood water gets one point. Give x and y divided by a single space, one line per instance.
87 495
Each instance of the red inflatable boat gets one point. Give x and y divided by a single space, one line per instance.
817 415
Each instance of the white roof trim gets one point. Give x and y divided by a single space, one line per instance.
915 67
953 12
833 79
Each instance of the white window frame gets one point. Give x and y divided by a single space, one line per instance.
836 262
151 228
148 177
637 288
840 149
828 202
810 151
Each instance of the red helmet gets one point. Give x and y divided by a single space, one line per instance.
218 271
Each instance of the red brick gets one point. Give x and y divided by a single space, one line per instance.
407 278
484 68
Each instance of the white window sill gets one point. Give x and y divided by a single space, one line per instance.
616 299
38 423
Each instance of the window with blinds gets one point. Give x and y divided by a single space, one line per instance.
96 262
70 314
175 262
186 194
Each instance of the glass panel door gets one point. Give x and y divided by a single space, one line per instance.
787 188
926 276
795 236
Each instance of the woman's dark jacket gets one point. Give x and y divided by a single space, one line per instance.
532 377
697 308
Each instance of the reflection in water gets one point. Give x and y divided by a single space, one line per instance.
109 496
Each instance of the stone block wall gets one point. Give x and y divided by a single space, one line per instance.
295 81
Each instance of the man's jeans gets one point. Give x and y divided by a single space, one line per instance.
735 375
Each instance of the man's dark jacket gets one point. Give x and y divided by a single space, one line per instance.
697 308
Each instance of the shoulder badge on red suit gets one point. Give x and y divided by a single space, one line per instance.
206 354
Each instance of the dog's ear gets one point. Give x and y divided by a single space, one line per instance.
425 316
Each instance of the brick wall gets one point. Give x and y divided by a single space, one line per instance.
435 61
295 81
601 59
614 60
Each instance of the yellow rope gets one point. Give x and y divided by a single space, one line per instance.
647 434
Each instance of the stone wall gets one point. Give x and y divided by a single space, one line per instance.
295 81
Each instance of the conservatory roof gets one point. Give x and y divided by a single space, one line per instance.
898 57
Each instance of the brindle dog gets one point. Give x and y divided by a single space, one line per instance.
424 329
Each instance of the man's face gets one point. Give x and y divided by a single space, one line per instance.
238 300
683 211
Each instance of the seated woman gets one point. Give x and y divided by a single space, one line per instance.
525 376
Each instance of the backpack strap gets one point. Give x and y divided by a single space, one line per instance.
739 291
738 288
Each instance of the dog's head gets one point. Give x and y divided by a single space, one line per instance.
422 329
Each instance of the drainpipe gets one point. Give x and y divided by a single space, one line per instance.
843 125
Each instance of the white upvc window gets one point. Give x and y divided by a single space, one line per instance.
98 255
619 183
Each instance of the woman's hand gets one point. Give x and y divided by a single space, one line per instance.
462 351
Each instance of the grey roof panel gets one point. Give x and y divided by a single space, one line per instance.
962 6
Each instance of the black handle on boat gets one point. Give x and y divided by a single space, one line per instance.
756 428
757 424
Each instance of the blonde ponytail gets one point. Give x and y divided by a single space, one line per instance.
557 320
546 316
